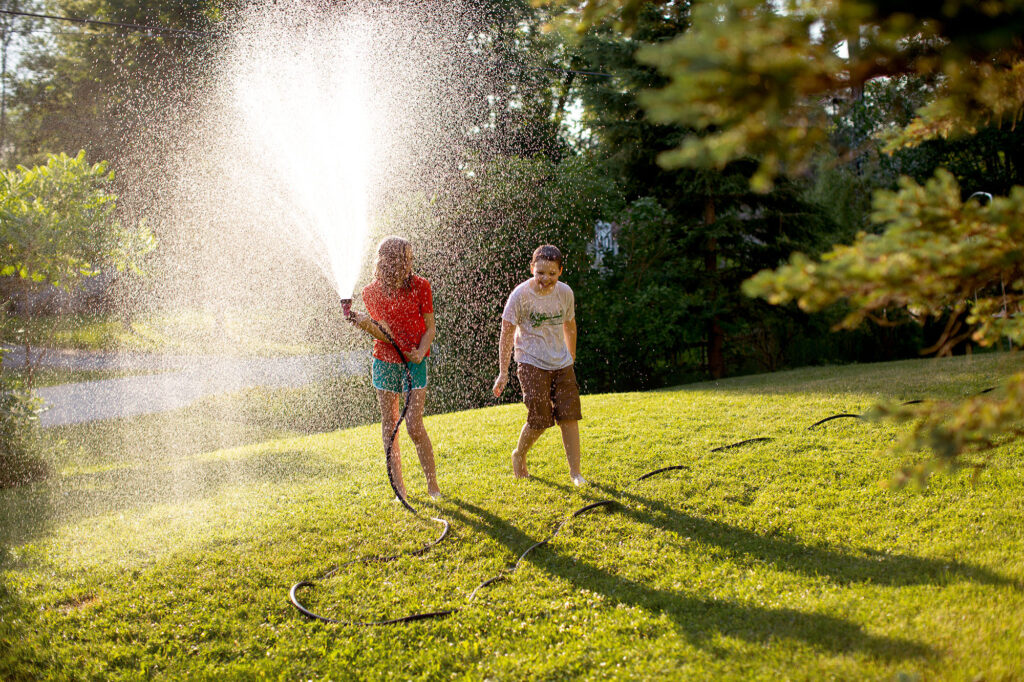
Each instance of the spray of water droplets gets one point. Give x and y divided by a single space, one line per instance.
267 181
314 120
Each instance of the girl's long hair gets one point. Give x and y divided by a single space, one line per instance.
389 268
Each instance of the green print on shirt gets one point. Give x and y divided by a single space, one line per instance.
539 319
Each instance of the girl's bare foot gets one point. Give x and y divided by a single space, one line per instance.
519 466
433 489
579 480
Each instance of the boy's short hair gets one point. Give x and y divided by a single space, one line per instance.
547 252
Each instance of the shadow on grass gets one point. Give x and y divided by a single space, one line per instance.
698 618
790 555
32 511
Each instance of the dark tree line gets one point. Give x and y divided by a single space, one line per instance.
553 136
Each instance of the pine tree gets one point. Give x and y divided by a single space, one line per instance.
755 79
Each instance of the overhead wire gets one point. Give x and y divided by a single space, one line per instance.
103 22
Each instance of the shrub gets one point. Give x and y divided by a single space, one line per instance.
19 425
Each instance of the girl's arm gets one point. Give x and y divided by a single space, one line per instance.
365 322
569 332
505 344
419 353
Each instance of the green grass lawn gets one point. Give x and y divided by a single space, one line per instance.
159 553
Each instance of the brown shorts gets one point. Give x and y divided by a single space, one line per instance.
551 395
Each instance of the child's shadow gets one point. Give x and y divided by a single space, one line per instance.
791 555
700 619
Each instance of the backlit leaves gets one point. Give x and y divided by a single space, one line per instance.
58 223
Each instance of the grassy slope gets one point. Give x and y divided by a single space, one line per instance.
775 559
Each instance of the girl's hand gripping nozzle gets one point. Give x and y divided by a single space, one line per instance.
346 309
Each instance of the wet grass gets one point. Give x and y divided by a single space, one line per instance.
777 559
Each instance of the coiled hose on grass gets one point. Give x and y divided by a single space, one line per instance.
293 593
505 573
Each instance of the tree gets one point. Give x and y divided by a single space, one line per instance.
720 232
14 26
58 226
19 426
89 86
755 78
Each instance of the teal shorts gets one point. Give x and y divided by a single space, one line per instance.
391 376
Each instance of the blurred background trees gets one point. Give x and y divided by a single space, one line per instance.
712 138
908 109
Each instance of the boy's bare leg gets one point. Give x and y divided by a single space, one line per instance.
420 438
571 442
527 437
389 413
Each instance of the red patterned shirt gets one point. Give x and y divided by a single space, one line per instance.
403 311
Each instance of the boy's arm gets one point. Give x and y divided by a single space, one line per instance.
505 344
569 331
417 355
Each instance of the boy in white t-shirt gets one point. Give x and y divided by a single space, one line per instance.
539 321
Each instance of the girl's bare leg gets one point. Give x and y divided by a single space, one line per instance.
571 442
527 437
420 438
389 413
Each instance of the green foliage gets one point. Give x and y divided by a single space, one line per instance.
751 75
715 232
744 85
94 87
20 460
936 254
58 224
644 317
778 558
762 79
938 258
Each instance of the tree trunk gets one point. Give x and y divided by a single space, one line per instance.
715 335
4 44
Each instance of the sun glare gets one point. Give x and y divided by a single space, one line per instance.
306 103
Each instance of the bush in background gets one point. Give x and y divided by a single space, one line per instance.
19 426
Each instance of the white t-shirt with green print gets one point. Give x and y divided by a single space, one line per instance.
538 319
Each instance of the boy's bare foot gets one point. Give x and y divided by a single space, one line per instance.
519 466
434 492
579 480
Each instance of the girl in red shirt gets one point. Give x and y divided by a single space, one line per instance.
403 304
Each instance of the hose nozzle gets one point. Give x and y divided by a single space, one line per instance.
346 308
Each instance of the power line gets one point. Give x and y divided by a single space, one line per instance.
76 34
115 24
